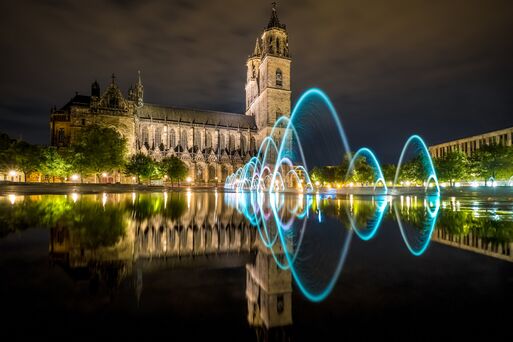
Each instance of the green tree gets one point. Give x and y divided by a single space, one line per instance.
98 149
492 160
362 171
6 153
141 166
389 172
52 163
25 157
341 171
452 166
174 168
412 171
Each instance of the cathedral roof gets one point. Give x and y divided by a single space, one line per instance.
78 100
196 116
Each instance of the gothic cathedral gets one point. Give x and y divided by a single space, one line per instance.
213 144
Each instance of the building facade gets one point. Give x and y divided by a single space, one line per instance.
470 144
213 144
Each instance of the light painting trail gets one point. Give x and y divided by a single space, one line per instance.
276 168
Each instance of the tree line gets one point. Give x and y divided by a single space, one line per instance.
95 150
493 161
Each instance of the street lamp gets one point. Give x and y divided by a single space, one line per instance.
74 177
188 179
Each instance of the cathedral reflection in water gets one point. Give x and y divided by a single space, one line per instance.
176 230
107 240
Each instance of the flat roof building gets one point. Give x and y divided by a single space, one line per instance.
470 144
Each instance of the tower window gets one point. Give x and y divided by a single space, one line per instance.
279 78
83 122
280 303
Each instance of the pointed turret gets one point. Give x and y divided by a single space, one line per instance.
139 90
95 89
257 51
274 21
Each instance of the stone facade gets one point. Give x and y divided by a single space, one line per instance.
213 144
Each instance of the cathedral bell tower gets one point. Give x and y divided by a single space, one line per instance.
268 76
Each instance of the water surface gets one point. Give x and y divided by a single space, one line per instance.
246 267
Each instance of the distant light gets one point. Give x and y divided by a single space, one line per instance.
457 184
12 173
407 183
188 179
317 183
474 184
494 184
74 177
104 174
351 184
443 185
133 178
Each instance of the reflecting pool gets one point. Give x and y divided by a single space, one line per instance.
248 266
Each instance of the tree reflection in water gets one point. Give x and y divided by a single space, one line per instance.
107 238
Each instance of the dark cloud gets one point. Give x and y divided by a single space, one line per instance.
438 68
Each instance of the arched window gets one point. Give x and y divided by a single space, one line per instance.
60 135
252 144
242 144
277 46
279 78
208 140
145 135
172 138
158 136
231 143
222 141
197 138
183 139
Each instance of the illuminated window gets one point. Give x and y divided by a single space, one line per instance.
231 143
158 136
172 138
183 140
208 142
242 144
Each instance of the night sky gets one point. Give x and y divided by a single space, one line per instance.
442 69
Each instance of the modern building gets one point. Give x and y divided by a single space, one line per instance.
213 144
470 144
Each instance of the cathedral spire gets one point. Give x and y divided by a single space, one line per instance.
274 21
